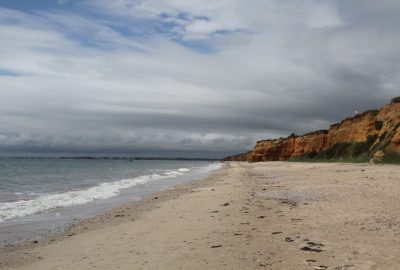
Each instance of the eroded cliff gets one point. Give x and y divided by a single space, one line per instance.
373 135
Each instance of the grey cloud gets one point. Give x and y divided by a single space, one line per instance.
302 67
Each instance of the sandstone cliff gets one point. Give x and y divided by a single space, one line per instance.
371 135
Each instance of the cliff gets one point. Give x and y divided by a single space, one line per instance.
373 135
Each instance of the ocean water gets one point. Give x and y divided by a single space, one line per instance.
39 197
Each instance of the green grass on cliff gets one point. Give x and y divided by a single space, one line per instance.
355 152
391 158
359 159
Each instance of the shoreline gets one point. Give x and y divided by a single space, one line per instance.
11 253
276 215
54 214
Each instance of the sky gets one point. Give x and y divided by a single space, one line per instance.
192 78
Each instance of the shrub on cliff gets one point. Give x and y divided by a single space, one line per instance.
384 140
391 157
383 136
371 139
378 125
395 100
362 148
344 152
339 150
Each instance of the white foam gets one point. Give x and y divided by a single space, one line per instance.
42 203
173 173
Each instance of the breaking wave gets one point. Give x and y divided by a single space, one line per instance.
22 208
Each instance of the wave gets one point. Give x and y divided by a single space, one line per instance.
22 208
46 202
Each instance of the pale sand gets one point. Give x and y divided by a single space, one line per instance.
247 216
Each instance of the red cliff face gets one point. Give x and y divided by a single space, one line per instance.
311 142
364 135
354 129
389 134
240 157
272 150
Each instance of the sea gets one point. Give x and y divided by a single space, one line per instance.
43 196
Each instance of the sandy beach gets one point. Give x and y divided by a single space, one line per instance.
276 215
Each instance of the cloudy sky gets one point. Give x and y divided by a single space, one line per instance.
188 77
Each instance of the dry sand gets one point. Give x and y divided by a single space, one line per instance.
248 216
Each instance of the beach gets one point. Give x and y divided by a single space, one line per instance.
274 215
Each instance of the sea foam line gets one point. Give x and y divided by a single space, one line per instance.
22 208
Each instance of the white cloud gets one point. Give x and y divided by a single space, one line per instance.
324 16
198 19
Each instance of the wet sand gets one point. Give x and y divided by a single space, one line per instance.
274 215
